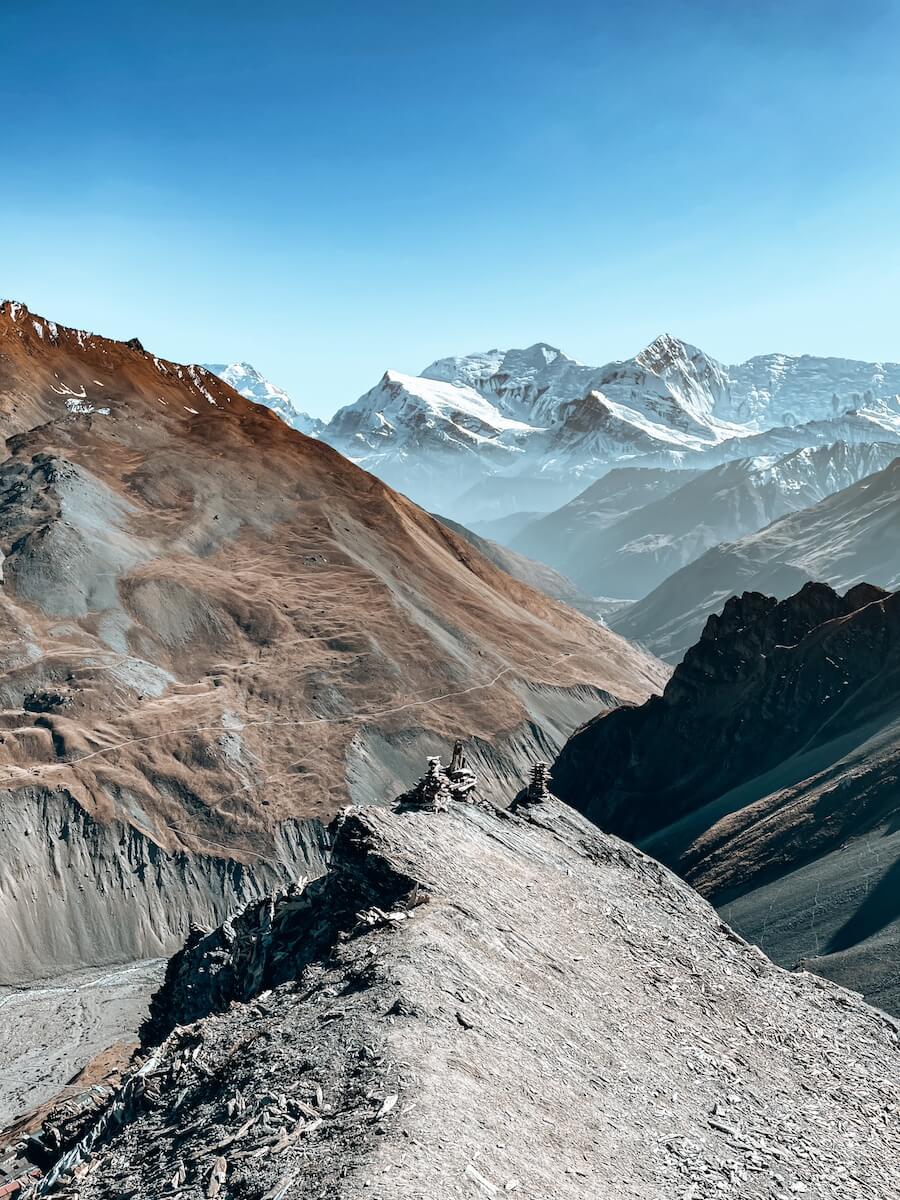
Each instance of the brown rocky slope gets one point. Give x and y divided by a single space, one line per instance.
216 629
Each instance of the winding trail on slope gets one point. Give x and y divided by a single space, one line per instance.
359 718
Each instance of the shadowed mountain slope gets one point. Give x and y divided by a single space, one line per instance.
636 551
766 775
851 536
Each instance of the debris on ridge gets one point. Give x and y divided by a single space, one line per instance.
554 1014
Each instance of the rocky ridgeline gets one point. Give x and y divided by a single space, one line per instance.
763 678
477 1002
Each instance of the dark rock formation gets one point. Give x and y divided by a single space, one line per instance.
767 775
765 677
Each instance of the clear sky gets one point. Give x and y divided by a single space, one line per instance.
330 189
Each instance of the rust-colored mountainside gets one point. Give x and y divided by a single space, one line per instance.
214 626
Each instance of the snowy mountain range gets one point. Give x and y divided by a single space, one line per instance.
533 412
481 435
538 415
245 379
776 389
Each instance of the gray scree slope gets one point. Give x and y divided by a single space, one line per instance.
472 1003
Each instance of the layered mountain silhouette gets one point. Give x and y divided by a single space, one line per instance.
610 547
849 537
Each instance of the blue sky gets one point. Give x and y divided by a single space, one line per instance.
327 190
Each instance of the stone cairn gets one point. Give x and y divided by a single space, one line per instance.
462 779
439 785
537 790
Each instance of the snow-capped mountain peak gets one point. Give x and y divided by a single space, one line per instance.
245 378
403 412
784 390
699 383
537 416
533 411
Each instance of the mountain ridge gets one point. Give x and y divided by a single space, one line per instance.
639 548
670 405
429 1020
217 626
843 539
766 775
246 380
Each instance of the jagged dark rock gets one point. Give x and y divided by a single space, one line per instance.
759 683
766 775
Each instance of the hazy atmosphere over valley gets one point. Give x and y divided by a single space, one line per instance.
449 569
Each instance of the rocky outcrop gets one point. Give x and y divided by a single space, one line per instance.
761 682
472 1002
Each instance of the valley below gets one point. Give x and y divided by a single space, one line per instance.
73 1030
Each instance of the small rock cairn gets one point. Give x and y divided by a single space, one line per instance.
536 790
439 785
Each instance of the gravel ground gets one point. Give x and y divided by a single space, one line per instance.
50 1032
526 1006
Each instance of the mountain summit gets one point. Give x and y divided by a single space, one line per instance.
540 414
245 379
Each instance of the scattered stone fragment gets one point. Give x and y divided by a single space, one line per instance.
477 1177
217 1177
387 1105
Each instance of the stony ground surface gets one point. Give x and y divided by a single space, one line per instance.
51 1031
486 1004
